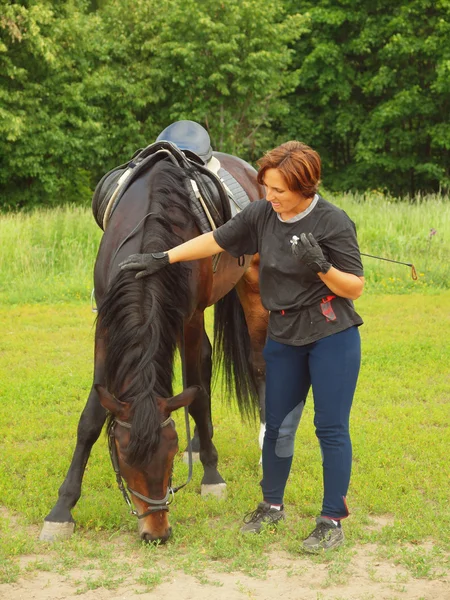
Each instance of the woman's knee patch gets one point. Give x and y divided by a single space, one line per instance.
284 447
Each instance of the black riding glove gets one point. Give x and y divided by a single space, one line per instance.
308 251
146 264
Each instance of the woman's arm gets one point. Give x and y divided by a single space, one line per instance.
236 236
199 247
147 264
343 284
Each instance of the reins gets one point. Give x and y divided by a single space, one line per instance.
186 417
162 504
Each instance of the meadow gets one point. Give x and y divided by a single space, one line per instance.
400 484
48 255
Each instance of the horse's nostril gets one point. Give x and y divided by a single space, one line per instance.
151 539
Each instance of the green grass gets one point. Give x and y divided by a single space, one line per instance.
48 256
399 420
400 437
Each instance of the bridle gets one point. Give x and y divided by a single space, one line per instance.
154 505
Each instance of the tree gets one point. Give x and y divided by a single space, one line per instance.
85 84
373 93
49 133
405 139
223 64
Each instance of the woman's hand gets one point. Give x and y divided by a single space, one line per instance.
145 264
342 284
308 251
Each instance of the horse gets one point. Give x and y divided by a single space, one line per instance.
139 326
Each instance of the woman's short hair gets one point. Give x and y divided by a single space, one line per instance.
299 164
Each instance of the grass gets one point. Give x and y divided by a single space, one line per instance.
47 255
400 437
399 421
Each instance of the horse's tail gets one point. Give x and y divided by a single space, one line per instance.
232 352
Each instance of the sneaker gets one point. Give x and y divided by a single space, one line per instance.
264 515
325 536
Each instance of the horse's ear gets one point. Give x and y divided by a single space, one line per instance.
108 401
184 399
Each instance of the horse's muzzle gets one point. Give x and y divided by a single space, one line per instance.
151 538
155 528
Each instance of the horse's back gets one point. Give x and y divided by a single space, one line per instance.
117 243
231 270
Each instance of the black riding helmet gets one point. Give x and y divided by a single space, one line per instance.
188 135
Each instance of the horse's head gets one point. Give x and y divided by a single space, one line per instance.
149 483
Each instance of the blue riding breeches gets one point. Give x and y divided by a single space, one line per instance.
331 366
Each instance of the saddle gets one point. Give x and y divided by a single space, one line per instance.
209 198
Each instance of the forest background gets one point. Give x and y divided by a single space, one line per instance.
83 84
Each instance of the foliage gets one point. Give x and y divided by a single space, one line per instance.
84 83
373 96
82 90
208 62
49 134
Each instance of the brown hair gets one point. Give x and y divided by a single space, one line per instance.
299 164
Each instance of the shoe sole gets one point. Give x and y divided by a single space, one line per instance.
319 548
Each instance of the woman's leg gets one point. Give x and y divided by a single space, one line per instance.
287 385
334 364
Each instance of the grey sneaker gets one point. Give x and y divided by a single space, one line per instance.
325 536
263 515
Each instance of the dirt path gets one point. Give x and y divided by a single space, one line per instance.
289 578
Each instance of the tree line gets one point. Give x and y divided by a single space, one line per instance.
83 84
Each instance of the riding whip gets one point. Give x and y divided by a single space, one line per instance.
398 262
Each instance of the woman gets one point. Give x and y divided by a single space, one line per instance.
310 271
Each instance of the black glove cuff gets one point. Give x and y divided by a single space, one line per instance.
322 267
162 256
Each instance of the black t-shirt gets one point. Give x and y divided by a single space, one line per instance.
290 290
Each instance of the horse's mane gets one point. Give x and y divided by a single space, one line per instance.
141 320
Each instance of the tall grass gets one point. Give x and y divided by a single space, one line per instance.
48 255
415 232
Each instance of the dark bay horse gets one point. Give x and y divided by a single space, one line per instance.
140 324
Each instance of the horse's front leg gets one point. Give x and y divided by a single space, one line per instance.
59 522
198 369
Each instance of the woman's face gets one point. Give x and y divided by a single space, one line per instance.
284 201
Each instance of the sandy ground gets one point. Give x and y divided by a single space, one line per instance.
290 578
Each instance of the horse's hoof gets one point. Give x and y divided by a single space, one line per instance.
218 490
52 531
195 457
